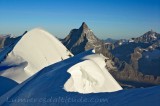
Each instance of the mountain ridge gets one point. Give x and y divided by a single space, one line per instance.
128 65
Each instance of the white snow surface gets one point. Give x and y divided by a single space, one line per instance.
46 89
38 49
91 76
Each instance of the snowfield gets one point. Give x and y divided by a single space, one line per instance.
46 88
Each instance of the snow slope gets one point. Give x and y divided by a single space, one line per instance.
46 89
34 51
6 85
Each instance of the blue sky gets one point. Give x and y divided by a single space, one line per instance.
107 18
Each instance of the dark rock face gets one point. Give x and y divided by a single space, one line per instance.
2 39
140 58
124 51
82 39
7 40
149 64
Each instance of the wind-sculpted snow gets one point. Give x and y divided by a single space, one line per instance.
91 76
46 88
34 51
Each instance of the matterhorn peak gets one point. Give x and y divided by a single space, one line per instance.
84 26
81 39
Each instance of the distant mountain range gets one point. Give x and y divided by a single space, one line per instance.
110 40
141 55
136 59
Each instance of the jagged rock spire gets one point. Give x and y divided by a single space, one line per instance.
84 26
81 39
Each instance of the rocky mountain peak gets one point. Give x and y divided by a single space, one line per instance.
81 39
149 33
84 26
148 37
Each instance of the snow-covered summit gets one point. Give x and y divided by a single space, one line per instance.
34 51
